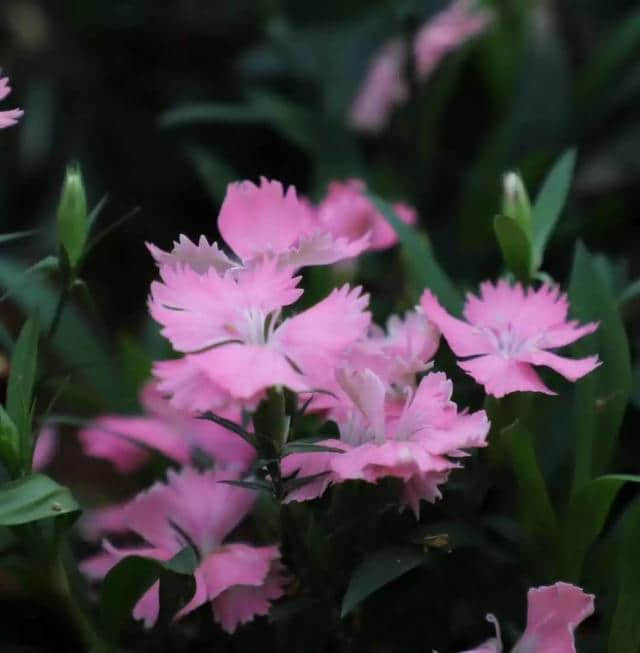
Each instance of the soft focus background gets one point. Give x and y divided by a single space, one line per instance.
163 103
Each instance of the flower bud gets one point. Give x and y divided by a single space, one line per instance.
72 215
515 201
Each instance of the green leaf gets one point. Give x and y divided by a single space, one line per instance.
422 267
300 481
376 571
9 443
32 498
300 446
585 518
630 293
550 201
47 264
214 173
537 512
134 575
6 238
601 397
515 246
624 635
231 426
20 386
257 485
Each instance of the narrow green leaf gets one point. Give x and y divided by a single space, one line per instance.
601 397
537 512
515 246
422 267
376 571
300 446
20 386
9 443
257 485
624 635
585 518
32 498
95 212
550 201
47 264
133 576
211 112
7 238
231 426
630 293
300 481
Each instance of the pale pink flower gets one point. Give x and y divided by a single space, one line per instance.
198 257
229 326
127 441
507 331
416 445
240 580
446 32
10 117
265 220
347 213
383 89
553 614
45 449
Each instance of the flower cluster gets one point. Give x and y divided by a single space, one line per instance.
228 310
385 86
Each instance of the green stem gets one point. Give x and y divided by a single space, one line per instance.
57 315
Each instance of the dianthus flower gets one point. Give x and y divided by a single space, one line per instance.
229 327
553 614
507 331
127 441
10 117
383 88
347 213
240 580
445 32
417 444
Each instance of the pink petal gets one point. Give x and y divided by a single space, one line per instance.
571 368
367 392
554 613
463 339
97 522
383 88
10 118
323 248
246 370
198 257
46 447
237 564
565 334
500 376
255 220
147 608
309 464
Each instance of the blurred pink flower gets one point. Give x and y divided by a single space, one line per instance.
347 213
10 117
265 220
554 612
240 580
46 447
229 326
127 441
507 331
447 31
384 87
417 444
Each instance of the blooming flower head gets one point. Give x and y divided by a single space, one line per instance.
383 89
10 117
445 32
416 445
229 327
265 220
127 441
193 508
508 331
347 213
553 614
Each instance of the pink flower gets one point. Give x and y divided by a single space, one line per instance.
240 580
445 32
128 441
553 614
46 447
416 445
258 221
347 213
507 331
383 88
229 327
10 117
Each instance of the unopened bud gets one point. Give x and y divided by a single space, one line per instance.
515 201
72 215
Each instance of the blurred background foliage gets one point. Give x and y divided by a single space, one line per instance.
164 103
